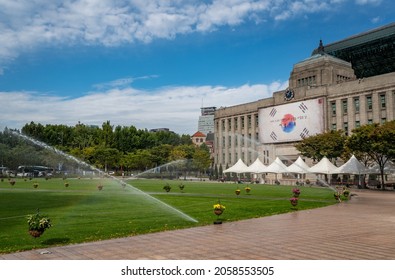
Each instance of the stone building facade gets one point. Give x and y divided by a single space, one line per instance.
347 102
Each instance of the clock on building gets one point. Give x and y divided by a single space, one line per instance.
289 95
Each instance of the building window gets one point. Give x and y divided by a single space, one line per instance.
242 122
370 121
249 122
344 104
223 125
382 101
333 107
334 127
223 141
256 121
235 120
357 124
229 124
345 126
383 120
369 105
356 104
230 140
236 140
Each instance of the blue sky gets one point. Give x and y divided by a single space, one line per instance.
154 63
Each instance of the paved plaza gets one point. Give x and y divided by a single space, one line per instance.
360 229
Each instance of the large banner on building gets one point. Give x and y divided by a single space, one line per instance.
291 122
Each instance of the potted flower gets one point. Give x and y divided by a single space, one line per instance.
247 189
294 201
12 182
66 184
38 224
296 192
167 187
237 191
35 185
181 186
336 195
218 209
100 187
346 193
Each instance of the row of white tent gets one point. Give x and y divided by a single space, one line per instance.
324 166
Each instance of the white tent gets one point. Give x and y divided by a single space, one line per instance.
352 166
277 166
389 168
299 166
238 167
257 167
324 166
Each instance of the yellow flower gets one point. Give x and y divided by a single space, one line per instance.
219 206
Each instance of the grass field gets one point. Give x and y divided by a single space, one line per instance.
81 213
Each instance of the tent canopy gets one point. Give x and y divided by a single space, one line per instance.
352 166
238 167
257 167
299 166
277 166
389 167
324 166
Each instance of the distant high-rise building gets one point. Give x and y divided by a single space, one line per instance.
206 120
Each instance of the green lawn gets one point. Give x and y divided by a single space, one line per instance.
80 212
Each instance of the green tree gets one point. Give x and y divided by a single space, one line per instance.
138 160
160 154
220 171
106 158
374 141
201 158
107 136
329 144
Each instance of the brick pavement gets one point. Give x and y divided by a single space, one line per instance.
361 229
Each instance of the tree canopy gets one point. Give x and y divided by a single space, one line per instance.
108 147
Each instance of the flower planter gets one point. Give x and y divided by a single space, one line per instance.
237 192
66 184
294 201
36 233
346 194
100 187
35 185
218 212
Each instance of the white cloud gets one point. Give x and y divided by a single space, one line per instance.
376 19
30 24
177 108
368 2
122 83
